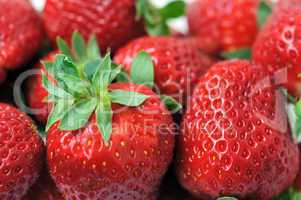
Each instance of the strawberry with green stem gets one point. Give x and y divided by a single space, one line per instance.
105 140
115 22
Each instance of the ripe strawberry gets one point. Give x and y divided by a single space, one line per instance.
2 75
223 25
21 152
21 33
44 189
178 63
278 48
113 21
105 141
235 140
298 180
36 93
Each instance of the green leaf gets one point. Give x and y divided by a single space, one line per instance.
158 29
78 115
51 99
171 104
69 67
91 67
142 70
63 47
101 78
74 84
290 194
116 70
242 53
173 9
104 120
78 44
227 198
58 112
298 109
141 6
263 12
48 65
127 98
54 90
295 122
92 48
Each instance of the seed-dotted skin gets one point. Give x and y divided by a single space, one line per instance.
298 179
223 25
21 152
129 167
235 139
278 47
113 21
178 63
21 33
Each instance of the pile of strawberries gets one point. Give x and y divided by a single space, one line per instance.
117 105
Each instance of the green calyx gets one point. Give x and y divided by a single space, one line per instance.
227 198
263 12
290 194
241 53
78 85
156 19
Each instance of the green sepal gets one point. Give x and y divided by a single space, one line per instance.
142 70
101 78
116 70
171 104
54 90
127 98
104 119
78 115
156 19
290 194
227 198
242 53
92 48
59 110
263 12
78 44
75 84
295 121
173 9
63 47
91 67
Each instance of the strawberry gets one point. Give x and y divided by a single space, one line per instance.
298 180
178 63
104 141
223 25
2 75
278 49
115 22
36 93
235 140
21 33
21 152
44 189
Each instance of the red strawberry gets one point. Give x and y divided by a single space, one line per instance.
235 140
44 189
21 152
2 75
223 25
178 63
298 180
36 93
105 141
278 48
21 33
113 21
